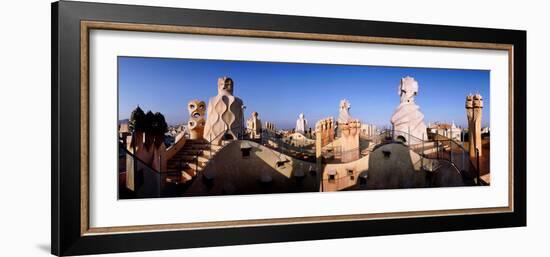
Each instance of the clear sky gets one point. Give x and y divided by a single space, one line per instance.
280 91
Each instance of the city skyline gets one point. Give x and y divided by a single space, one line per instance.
279 92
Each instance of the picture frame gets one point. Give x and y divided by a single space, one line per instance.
71 26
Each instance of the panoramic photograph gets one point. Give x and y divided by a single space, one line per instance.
194 127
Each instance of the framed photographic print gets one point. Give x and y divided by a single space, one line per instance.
177 128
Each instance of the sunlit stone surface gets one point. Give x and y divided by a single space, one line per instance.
407 118
224 114
344 116
348 133
474 107
254 126
196 121
301 124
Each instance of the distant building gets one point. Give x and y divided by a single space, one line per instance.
368 130
447 130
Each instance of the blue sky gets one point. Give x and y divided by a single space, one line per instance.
280 91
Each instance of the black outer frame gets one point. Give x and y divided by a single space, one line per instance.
65 209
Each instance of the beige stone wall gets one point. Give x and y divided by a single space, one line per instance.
232 173
345 174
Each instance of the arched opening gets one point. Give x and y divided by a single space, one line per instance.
401 138
228 136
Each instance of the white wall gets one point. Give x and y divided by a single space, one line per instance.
25 105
